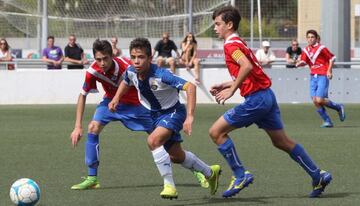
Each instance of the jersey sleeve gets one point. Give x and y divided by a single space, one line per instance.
173 80
89 85
328 54
127 78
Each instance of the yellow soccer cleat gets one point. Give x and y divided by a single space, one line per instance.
201 179
90 182
214 178
169 192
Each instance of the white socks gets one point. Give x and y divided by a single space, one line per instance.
163 163
192 162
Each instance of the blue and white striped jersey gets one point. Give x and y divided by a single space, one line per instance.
159 91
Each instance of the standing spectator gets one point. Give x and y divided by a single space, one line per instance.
264 55
188 55
52 55
116 51
320 61
74 54
5 53
164 48
293 54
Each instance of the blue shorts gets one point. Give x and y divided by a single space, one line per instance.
319 86
172 119
260 108
134 117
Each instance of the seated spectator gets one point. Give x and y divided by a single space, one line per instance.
264 55
74 54
116 51
5 53
52 55
188 55
164 48
293 54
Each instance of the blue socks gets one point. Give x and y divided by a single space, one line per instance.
323 114
92 154
229 153
303 159
333 105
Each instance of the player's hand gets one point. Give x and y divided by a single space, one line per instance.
329 75
76 135
113 104
188 124
215 89
222 96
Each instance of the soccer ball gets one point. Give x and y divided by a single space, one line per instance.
24 192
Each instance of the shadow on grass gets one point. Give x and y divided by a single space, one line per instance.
145 186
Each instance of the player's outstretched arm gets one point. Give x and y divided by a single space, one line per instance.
76 134
122 89
216 88
190 107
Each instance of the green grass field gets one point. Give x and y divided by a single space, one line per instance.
34 143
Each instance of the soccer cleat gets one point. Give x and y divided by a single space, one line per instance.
169 192
201 179
319 186
90 182
237 184
341 112
214 178
327 125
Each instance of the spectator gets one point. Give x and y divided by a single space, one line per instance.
52 54
188 55
293 54
116 51
74 54
5 53
164 48
265 56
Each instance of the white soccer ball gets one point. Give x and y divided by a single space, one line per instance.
24 192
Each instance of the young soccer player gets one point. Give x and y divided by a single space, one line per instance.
158 90
260 107
107 70
320 61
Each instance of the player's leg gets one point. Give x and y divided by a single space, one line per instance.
320 178
319 91
241 178
323 87
172 63
190 161
155 141
91 157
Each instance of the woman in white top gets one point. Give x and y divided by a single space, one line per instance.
5 54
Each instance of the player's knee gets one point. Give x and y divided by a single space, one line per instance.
153 142
214 134
94 127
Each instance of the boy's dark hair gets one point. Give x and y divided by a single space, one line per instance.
141 43
102 46
228 13
51 37
313 32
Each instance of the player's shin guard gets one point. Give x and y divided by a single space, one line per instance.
163 163
303 159
92 154
229 153
333 105
192 162
323 114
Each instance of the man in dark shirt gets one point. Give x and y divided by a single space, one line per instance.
75 54
293 54
164 48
